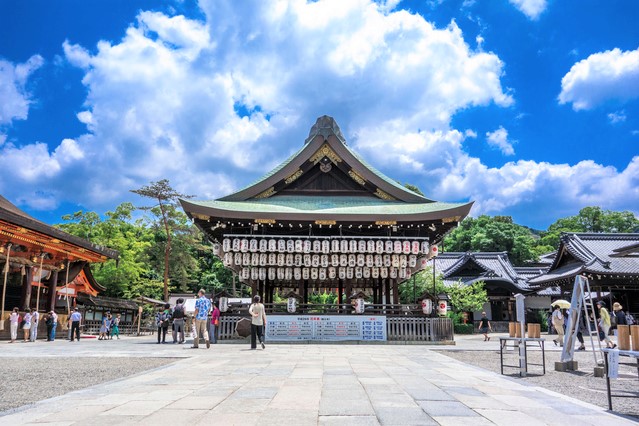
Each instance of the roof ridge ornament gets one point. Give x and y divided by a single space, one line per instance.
325 126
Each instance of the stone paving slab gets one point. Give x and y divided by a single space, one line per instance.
302 385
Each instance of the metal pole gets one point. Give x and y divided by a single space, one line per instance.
4 287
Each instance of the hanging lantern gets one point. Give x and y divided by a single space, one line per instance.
297 273
414 248
262 273
423 262
343 260
361 260
291 304
412 260
226 244
332 272
434 251
366 272
409 273
306 273
263 259
326 247
253 245
308 245
238 258
403 261
290 246
324 261
322 274
236 244
255 274
343 246
217 249
393 273
255 259
341 273
315 260
361 246
228 259
223 303
272 245
298 260
359 304
427 306
397 247
281 259
369 260
272 259
317 246
370 246
307 260
288 274
375 272
352 246
387 260
358 272
383 273
271 274
379 247
394 261
299 246
335 246
246 273
335 260
280 273
402 273
281 246
352 260
314 273
442 307
406 247
379 260
425 247
244 245
263 245
388 247
289 260
246 259
349 273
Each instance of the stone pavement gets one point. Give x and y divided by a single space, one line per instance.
301 385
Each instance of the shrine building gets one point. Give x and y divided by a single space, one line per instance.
325 219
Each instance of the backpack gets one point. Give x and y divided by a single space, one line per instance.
630 319
613 320
178 312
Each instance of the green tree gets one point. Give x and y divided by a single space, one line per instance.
420 283
467 297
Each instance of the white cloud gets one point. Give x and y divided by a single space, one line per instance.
15 99
617 117
499 140
531 8
604 76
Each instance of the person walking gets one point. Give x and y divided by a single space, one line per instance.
35 321
14 319
582 328
215 321
258 321
115 327
162 320
558 324
76 319
620 315
604 324
26 327
202 308
178 321
105 326
484 326
54 317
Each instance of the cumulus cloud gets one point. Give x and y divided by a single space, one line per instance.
499 139
531 8
617 117
13 92
604 76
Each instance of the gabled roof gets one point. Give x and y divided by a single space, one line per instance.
592 253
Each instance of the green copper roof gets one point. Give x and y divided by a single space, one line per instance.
327 205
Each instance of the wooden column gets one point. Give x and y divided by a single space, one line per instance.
27 279
395 292
53 281
305 293
253 289
260 289
340 291
387 299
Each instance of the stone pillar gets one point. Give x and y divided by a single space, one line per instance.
27 279
53 281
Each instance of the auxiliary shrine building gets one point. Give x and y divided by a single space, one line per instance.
325 218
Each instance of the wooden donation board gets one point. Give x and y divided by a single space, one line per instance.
289 328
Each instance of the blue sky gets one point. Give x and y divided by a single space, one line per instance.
527 107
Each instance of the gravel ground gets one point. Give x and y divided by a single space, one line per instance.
580 384
28 380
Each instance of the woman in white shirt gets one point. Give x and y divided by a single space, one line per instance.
258 321
14 318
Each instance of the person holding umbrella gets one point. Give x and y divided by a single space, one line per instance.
558 323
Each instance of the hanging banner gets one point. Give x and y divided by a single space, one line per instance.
287 328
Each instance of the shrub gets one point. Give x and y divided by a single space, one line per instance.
463 328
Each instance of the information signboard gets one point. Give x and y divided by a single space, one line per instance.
289 328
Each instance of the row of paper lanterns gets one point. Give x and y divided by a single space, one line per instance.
325 246
330 273
324 260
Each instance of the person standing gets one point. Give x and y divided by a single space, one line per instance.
105 326
162 319
604 324
115 327
178 321
484 326
215 321
202 308
26 327
75 318
35 321
558 324
49 322
54 317
620 315
258 321
14 319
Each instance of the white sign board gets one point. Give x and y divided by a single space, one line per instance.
289 328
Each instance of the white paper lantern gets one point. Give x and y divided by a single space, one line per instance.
335 260
395 261
387 260
332 272
324 261
271 274
379 247
291 305
315 260
246 273
305 273
255 259
272 245
289 260
226 244
217 249
253 246
317 246
297 273
299 246
314 273
290 246
369 260
343 260
397 247
402 273
228 259
341 273
366 272
423 262
361 246
262 273
352 260
383 273
414 248
412 260
280 273
375 272
349 273
393 273
246 259
427 306
281 246
343 246
361 260
288 274
322 274
236 244
255 274
307 260
360 306
335 246
326 247
237 258
263 245
298 260
244 245
272 259
403 261
409 273
281 259
358 272
370 246
379 260
223 304
388 247
406 246
308 245
425 247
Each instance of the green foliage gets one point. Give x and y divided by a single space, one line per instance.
414 188
324 298
420 283
464 298
463 328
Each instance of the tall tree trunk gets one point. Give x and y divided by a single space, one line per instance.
167 250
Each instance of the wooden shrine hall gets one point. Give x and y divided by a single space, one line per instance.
325 219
